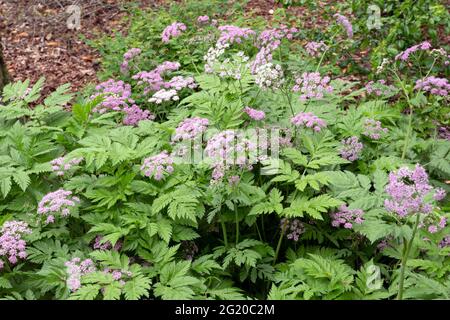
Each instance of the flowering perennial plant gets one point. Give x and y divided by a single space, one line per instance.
116 95
172 31
203 19
314 49
309 120
158 166
98 245
344 22
293 228
255 114
211 58
269 76
59 202
407 190
373 129
433 85
312 85
76 269
190 129
380 88
134 114
127 57
12 246
153 80
271 38
404 55
433 225
227 149
347 217
351 148
62 165
233 34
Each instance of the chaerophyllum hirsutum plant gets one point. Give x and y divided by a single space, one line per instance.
242 175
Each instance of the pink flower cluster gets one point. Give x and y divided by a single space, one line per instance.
59 202
127 57
315 48
227 149
75 269
119 275
433 85
233 34
116 95
98 245
172 31
153 80
203 19
180 82
432 226
61 165
271 38
407 190
351 148
157 166
439 194
190 128
255 114
134 114
312 85
343 21
404 55
380 88
373 129
309 120
12 246
294 228
347 217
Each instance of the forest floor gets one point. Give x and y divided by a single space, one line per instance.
37 42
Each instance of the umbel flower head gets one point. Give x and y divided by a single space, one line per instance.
60 202
172 31
347 217
408 190
351 148
190 128
312 85
309 120
12 246
158 166
77 268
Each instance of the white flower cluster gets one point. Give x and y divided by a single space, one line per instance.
382 66
164 95
234 67
180 82
213 55
269 75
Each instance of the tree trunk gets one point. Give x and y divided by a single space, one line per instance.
4 78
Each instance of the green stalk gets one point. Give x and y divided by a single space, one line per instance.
406 251
283 228
224 231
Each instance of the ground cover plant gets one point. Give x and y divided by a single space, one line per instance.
221 158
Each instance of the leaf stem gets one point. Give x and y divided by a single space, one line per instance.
224 231
406 251
283 228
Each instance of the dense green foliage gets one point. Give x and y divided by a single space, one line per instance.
186 237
